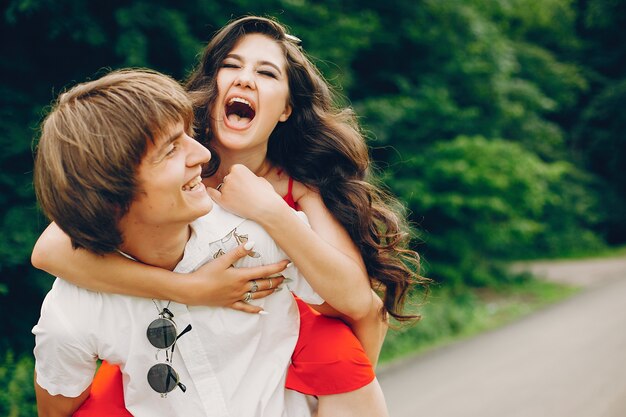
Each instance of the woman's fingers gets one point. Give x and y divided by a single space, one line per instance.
263 290
249 295
254 272
232 256
256 285
246 308
261 294
262 272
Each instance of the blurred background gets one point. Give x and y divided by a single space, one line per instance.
499 123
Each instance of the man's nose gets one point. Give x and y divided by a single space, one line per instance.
197 153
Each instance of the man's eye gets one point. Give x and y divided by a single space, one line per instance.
172 150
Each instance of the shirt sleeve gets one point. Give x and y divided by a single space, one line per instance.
300 286
65 358
270 252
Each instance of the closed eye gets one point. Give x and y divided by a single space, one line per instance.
268 74
172 150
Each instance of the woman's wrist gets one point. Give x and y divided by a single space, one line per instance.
176 287
273 216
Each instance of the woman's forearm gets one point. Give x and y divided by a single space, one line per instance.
324 253
215 284
339 279
111 273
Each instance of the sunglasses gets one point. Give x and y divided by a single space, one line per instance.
162 334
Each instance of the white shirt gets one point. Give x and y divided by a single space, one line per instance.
232 363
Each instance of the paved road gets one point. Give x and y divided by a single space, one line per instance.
568 360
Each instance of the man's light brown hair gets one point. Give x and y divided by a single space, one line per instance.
91 144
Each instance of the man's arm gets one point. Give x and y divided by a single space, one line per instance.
57 405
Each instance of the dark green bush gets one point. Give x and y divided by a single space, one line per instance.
17 396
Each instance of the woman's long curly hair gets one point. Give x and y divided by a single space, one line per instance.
322 147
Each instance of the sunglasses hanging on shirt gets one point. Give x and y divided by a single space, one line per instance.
162 334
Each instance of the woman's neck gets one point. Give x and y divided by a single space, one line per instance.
256 162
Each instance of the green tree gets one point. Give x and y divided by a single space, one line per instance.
598 138
17 397
452 68
601 143
482 201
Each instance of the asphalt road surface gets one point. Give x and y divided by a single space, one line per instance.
568 360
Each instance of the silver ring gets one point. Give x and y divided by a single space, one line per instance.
255 286
247 297
219 186
271 284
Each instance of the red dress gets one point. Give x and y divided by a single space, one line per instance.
328 359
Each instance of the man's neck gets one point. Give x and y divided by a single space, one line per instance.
163 247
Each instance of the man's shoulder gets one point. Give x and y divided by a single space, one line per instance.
84 312
68 308
62 288
216 224
77 300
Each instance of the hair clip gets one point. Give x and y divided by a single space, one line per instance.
293 39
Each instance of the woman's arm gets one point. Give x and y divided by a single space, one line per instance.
324 253
216 284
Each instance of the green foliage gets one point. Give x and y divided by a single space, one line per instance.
451 77
605 48
445 316
599 135
468 68
449 315
486 200
17 396
601 144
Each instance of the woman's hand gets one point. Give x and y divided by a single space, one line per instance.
218 283
247 195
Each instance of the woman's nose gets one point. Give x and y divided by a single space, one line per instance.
245 79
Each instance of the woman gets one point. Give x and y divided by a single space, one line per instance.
265 111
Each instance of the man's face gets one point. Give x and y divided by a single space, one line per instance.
171 190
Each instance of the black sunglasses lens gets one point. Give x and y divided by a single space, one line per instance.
162 378
162 333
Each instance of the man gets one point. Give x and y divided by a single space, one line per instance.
117 170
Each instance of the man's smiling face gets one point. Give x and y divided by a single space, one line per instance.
170 187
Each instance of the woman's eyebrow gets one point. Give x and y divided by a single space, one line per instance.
271 64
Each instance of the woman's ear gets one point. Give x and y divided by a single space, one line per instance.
283 117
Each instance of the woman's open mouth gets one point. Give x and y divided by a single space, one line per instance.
239 113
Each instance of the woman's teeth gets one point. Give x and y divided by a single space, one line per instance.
239 100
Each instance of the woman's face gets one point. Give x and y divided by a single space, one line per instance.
253 95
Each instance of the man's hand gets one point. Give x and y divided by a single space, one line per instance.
218 283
